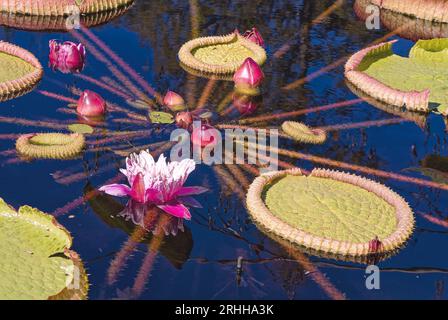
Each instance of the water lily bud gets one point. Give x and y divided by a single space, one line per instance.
67 57
204 135
90 104
245 104
184 119
254 36
174 101
248 77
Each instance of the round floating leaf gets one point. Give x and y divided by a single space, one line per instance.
50 145
405 25
220 54
330 211
35 21
20 71
418 82
36 262
59 8
161 117
300 132
434 10
80 128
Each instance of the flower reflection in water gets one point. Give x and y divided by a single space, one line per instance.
147 216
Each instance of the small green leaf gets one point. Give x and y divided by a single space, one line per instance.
80 128
206 115
161 117
139 104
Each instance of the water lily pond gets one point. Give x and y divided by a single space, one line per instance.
81 104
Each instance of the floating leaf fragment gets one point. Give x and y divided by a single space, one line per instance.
80 128
302 133
161 117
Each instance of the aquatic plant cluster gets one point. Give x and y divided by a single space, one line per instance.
337 213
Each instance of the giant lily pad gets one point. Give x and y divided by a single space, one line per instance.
58 23
330 211
220 54
431 10
20 71
419 118
35 257
50 145
61 7
404 25
418 82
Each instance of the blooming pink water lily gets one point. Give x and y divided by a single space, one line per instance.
159 183
91 104
174 101
254 36
67 57
249 75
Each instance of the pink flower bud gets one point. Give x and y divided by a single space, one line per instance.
246 105
67 57
254 36
184 119
90 104
249 75
204 135
174 101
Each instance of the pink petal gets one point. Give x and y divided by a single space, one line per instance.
153 195
177 210
118 190
190 191
138 189
190 202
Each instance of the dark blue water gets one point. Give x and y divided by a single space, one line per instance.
201 262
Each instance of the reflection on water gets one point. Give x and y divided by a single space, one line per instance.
304 82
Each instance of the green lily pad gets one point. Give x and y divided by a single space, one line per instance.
80 128
161 117
35 257
426 68
330 211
